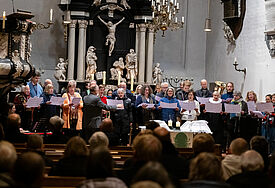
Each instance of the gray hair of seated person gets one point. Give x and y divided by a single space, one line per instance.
251 160
98 139
153 171
7 156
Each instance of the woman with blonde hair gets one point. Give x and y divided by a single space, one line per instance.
72 112
251 96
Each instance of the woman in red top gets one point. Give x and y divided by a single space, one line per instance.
101 94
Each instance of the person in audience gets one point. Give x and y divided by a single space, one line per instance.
123 118
25 113
260 144
145 184
100 171
271 170
92 112
35 144
155 172
203 142
107 127
157 89
35 88
28 170
87 90
215 120
2 133
55 126
7 159
74 162
175 165
146 148
169 113
72 113
164 87
252 175
231 164
203 92
12 131
183 93
12 108
228 96
190 115
201 175
151 125
143 113
98 139
128 93
109 93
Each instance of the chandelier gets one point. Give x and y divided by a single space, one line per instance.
164 15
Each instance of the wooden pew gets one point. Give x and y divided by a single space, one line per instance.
62 181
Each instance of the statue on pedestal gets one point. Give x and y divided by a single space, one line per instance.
157 74
131 64
111 37
119 66
91 63
125 4
61 69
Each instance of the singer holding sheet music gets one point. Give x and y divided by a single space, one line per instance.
190 115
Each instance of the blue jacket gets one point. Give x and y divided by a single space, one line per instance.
167 113
140 100
227 95
35 90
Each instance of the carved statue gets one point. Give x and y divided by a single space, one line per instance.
91 63
111 37
119 66
18 65
131 64
125 4
61 69
272 46
157 74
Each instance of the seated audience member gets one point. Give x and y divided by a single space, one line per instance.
98 139
145 184
153 171
12 131
151 125
35 144
74 162
12 109
175 165
205 171
55 126
260 144
146 148
203 142
231 164
100 171
252 175
28 170
7 159
271 170
107 127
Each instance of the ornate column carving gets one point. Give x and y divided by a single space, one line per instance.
81 51
142 48
71 49
137 40
150 51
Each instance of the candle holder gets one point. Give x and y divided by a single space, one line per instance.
239 70
41 26
175 81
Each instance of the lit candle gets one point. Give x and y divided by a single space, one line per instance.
170 123
182 19
175 3
177 124
4 19
178 6
158 7
104 78
176 19
118 80
168 9
132 82
92 77
51 15
145 19
153 14
235 60
152 3
170 16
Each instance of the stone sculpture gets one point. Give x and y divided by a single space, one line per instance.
61 69
91 63
157 74
131 64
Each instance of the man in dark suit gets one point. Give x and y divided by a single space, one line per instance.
92 111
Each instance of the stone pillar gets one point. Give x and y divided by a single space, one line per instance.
81 44
71 49
142 49
150 52
137 40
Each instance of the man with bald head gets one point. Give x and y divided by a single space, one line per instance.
231 164
203 92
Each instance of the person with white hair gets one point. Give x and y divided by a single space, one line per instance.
164 87
98 139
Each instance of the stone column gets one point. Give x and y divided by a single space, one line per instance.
81 44
137 40
141 59
71 47
150 52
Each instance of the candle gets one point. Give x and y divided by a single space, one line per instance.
176 19
4 19
175 3
170 123
118 80
92 76
152 3
158 7
132 82
153 14
168 9
170 16
51 15
182 19
145 19
177 124
104 78
235 60
178 5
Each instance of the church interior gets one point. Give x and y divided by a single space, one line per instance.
137 93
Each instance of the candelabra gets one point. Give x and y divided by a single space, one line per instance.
175 81
164 15
239 70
